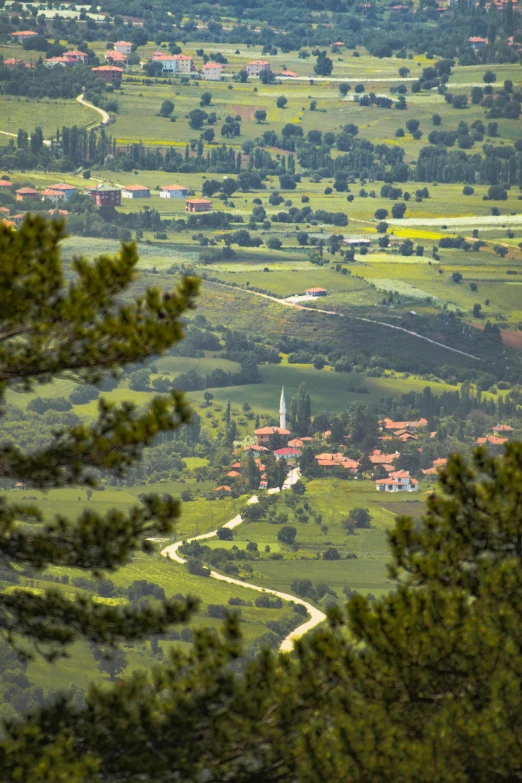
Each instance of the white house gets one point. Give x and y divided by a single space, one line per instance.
168 61
398 481
124 47
173 191
135 191
184 63
66 190
256 67
212 72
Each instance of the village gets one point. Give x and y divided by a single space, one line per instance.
277 443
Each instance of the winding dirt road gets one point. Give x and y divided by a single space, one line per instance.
355 317
103 114
316 616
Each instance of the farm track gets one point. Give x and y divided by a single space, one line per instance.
355 317
103 114
316 616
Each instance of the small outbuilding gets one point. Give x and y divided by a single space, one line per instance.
316 292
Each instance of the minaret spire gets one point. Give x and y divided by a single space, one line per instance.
282 410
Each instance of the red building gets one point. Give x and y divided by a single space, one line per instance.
198 205
109 73
105 195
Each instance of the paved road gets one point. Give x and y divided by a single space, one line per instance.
316 616
356 317
103 114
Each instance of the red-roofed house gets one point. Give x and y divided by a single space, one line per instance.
212 72
4 185
135 191
173 191
112 56
389 424
223 488
399 481
109 73
287 453
66 190
198 205
256 67
53 195
123 47
378 458
263 434
477 43
503 430
76 56
23 35
168 61
257 449
316 292
491 440
26 193
288 74
183 63
336 460
233 474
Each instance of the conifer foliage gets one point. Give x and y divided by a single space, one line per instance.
52 326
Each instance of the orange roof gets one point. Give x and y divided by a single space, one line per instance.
259 62
438 463
503 428
236 465
233 474
51 192
223 488
182 57
198 201
27 192
4 183
212 65
256 448
493 440
287 73
173 187
7 223
477 39
25 32
271 431
135 187
389 424
114 55
58 212
400 474
296 442
12 61
383 459
5 210
123 43
77 53
107 68
62 186
314 290
331 460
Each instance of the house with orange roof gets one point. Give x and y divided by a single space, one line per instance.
173 191
198 205
476 42
76 55
63 188
316 292
123 47
491 440
327 460
23 35
378 458
184 63
53 195
436 465
288 74
257 449
135 191
399 481
503 430
11 62
296 443
168 61
263 434
112 56
212 72
4 210
223 488
255 67
389 424
109 73
233 474
4 185
23 194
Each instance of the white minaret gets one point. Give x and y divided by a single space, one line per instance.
282 410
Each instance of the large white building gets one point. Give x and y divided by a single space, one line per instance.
212 72
398 481
173 191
